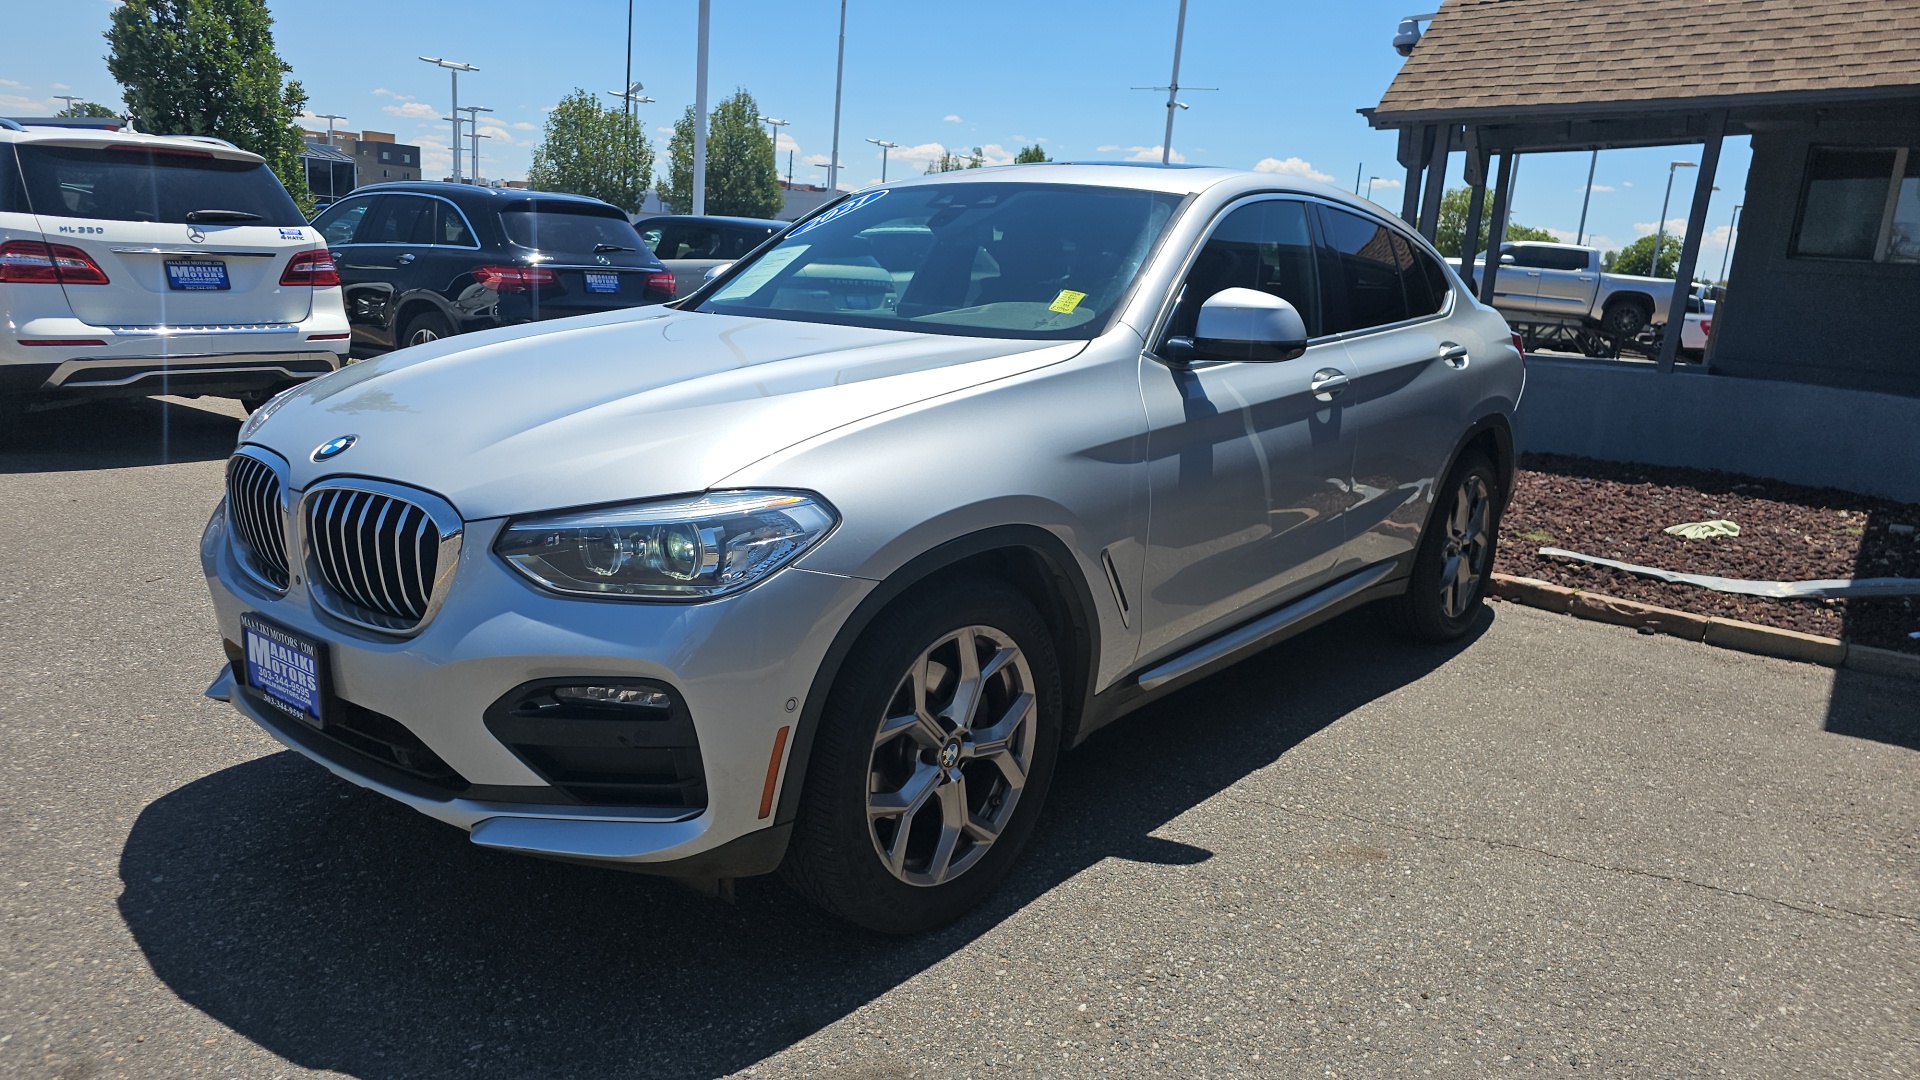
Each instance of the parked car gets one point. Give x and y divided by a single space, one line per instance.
822 567
139 264
1541 282
424 260
691 246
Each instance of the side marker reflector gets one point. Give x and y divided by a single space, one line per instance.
773 771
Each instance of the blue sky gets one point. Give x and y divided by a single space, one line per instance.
930 76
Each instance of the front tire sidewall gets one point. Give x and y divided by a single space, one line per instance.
1419 613
430 321
833 861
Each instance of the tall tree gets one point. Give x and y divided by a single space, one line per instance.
208 67
742 180
948 161
91 110
1031 155
1453 223
1637 257
593 151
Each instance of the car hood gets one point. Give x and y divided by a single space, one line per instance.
625 405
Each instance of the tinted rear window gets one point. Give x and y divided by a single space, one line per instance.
10 201
569 228
132 185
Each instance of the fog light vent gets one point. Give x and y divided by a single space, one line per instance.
623 697
605 742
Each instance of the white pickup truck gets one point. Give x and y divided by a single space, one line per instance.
1563 283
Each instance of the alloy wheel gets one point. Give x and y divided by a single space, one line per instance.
422 336
1469 539
951 756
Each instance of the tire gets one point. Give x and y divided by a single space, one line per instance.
1454 562
913 869
253 400
1626 318
423 327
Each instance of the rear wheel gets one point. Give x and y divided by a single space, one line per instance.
1626 318
424 326
934 755
1454 563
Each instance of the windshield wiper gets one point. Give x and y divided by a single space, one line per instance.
598 248
194 217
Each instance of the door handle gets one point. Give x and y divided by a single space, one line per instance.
406 258
1328 383
1453 355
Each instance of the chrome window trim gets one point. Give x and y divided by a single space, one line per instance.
471 231
235 545
447 558
1171 300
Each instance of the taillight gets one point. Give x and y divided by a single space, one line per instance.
313 268
1519 344
660 281
30 262
515 278
1706 327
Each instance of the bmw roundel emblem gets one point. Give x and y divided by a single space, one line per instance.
333 448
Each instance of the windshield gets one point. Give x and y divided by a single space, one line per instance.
135 184
569 228
1022 260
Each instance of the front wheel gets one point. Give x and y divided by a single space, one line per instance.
934 755
425 327
1626 319
1454 563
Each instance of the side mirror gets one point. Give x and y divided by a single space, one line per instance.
1506 260
715 271
1244 325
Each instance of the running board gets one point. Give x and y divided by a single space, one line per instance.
1260 631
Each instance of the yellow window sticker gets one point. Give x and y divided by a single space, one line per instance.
1066 301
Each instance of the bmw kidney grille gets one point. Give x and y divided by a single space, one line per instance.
378 553
253 505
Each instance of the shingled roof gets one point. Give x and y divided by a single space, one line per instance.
1565 57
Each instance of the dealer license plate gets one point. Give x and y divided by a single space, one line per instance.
197 276
288 669
599 282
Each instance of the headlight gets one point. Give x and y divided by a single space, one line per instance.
681 549
260 415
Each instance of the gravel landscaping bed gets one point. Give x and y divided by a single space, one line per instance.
1787 533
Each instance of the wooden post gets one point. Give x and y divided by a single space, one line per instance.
1497 228
1690 249
1436 179
1414 151
1476 204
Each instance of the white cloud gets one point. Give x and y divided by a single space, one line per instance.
953 118
1294 166
1626 183
785 143
1386 183
1107 149
1152 153
381 91
664 130
1675 226
522 125
415 110
18 85
1603 187
815 159
918 156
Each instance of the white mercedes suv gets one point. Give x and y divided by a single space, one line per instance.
142 264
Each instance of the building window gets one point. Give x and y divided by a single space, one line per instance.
1861 205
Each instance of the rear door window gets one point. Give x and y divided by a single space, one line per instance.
137 183
739 240
337 225
570 228
11 201
1362 269
688 241
452 229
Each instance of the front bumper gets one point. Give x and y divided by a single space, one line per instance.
737 663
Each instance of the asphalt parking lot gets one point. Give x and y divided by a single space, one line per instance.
1559 846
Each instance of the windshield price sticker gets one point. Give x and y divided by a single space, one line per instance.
1066 301
840 211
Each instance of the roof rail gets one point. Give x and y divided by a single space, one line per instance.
208 139
10 125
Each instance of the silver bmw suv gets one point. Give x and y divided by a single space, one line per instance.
820 568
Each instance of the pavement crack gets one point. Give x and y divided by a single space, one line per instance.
1825 911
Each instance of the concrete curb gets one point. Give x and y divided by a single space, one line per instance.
1723 633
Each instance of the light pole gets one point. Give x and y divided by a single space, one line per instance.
329 118
628 81
1173 86
1660 237
1592 164
700 112
1370 181
454 68
773 130
1733 225
473 130
884 146
839 72
69 99
1357 170
632 96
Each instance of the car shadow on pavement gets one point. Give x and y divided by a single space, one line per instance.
117 434
1865 705
341 931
